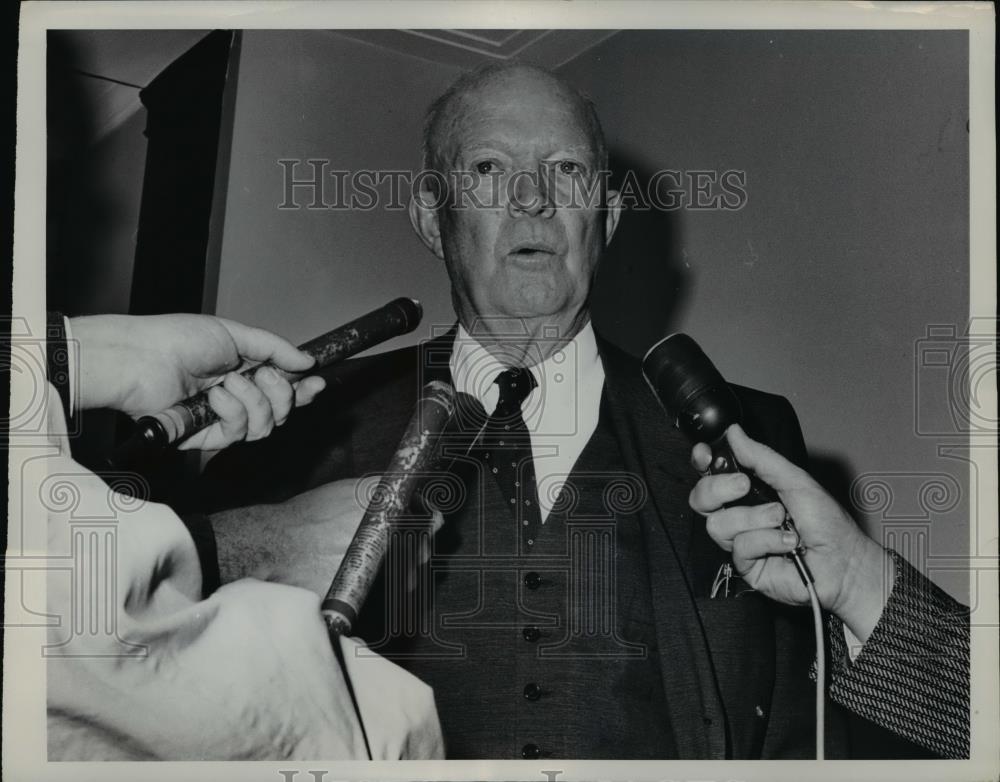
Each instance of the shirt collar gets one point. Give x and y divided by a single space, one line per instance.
560 377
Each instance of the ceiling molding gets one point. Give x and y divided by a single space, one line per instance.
99 65
472 48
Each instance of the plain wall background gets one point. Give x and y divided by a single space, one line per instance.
318 95
853 241
854 238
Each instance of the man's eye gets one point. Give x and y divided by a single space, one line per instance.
487 167
570 167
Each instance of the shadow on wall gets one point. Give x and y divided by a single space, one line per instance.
642 284
80 214
77 219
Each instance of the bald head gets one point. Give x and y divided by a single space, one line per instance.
460 100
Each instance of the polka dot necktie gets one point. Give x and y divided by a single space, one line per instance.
507 451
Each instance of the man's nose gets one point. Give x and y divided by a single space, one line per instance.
528 194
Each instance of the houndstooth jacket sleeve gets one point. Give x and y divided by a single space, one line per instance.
912 675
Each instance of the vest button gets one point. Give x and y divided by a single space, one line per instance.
532 580
532 691
530 752
531 634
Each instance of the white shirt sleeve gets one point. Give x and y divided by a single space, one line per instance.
72 358
854 644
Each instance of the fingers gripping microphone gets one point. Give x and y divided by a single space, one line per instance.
703 407
156 432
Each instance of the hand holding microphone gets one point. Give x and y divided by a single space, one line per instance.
703 406
848 567
202 350
142 364
750 494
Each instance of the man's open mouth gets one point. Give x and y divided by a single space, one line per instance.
532 250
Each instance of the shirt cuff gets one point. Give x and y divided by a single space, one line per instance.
60 361
845 646
854 644
72 360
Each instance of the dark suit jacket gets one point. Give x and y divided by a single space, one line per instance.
736 671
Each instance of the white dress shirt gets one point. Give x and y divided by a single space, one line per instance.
560 413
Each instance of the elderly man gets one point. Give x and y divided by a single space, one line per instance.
574 606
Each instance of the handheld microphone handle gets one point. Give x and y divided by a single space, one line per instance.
362 561
724 461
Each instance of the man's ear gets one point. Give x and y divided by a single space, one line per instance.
424 219
614 213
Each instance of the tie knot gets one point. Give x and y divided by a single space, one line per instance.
515 385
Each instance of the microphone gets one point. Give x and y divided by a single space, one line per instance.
703 406
417 451
460 436
156 432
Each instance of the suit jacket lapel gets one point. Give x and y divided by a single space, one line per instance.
659 454
434 357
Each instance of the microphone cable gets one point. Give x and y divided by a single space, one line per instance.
820 671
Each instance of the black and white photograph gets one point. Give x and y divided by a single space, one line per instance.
543 390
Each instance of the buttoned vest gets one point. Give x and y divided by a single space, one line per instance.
547 651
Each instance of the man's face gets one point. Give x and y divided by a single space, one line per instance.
514 245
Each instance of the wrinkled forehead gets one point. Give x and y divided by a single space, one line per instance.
527 112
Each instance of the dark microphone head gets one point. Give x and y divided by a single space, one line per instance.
691 389
411 310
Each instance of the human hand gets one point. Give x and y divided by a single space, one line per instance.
141 365
301 541
849 567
